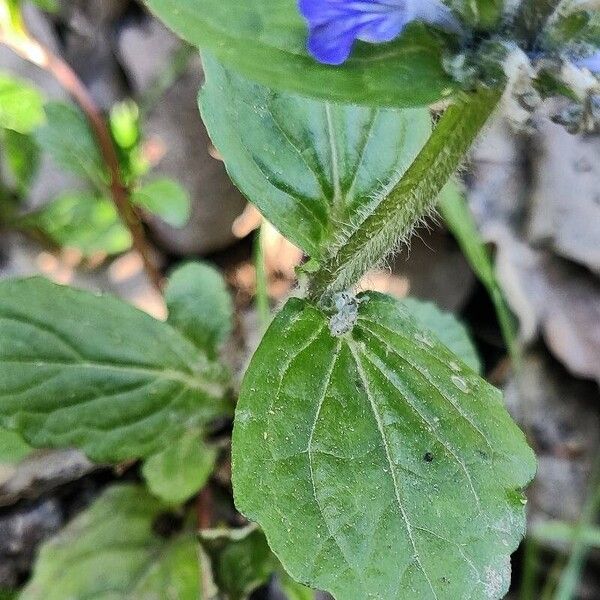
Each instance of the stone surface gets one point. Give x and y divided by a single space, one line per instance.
175 125
21 532
42 472
513 205
565 201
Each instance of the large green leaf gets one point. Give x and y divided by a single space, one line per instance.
378 464
21 105
307 165
77 369
111 552
177 472
266 40
200 305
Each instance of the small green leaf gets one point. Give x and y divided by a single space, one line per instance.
13 448
307 165
165 198
200 305
88 371
377 464
21 105
111 551
67 138
48 5
266 41
481 14
180 470
242 562
460 222
22 157
447 328
81 220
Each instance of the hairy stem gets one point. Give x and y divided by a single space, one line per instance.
413 198
34 52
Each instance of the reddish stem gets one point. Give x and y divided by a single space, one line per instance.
34 52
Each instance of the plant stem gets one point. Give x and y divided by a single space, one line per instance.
410 200
34 52
262 294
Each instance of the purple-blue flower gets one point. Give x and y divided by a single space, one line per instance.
334 25
590 62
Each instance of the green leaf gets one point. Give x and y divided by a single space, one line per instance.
88 371
81 220
377 464
165 198
447 328
307 165
460 222
111 551
242 562
481 14
200 305
266 41
47 5
67 138
180 470
394 212
22 157
21 105
292 589
13 448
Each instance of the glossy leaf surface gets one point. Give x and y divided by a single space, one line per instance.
378 464
266 41
308 166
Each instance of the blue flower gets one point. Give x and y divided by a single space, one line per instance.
334 25
590 62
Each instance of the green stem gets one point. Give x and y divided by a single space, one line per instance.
414 197
262 294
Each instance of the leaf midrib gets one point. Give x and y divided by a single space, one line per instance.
166 374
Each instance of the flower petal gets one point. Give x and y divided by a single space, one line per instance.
590 62
334 25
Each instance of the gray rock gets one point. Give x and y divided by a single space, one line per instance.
175 124
549 295
88 47
145 48
20 534
565 209
42 472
